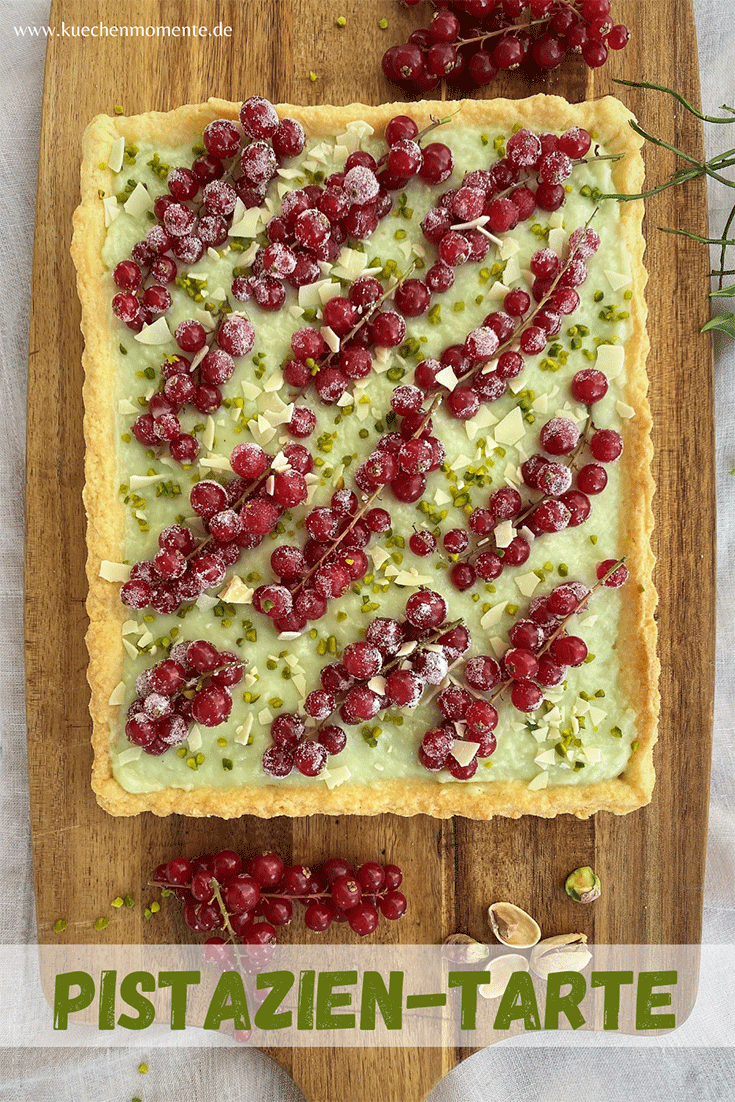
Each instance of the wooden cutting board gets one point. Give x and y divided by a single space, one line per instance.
651 862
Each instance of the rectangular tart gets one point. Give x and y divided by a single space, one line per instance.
576 739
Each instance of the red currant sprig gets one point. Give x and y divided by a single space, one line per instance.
250 899
192 685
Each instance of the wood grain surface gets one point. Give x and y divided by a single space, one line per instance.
652 861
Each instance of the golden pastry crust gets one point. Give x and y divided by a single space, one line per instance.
633 788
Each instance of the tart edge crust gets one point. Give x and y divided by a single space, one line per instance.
105 516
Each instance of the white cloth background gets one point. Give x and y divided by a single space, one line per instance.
506 1071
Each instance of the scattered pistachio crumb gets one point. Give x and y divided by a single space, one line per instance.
117 902
60 925
101 923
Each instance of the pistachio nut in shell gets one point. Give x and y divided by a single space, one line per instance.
561 953
501 969
463 949
513 926
583 885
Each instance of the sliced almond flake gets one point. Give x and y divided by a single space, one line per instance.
512 270
132 651
288 635
588 621
131 754
512 475
497 290
493 616
208 434
246 258
295 312
541 404
212 254
392 571
553 715
557 240
516 385
243 732
418 249
215 463
199 357
115 159
118 694
407 648
379 766
112 210
350 264
441 497
330 337
265 715
504 533
624 410
499 646
508 248
363 412
270 484
582 706
201 276
236 592
464 752
527 583
593 754
541 780
447 378
299 683
511 429
377 684
204 318
411 578
460 463
617 280
328 291
139 202
472 429
138 481
247 225
379 556
157 333
335 777
132 627
527 534
345 399
280 463
205 602
114 571
251 391
484 418
194 739
261 430
610 359
146 639
291 661
575 725
547 757
554 695
596 715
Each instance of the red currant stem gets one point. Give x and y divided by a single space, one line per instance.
237 505
502 31
527 322
557 632
362 510
433 125
216 894
572 459
580 604
372 310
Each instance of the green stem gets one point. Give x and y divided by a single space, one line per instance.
723 250
696 237
679 98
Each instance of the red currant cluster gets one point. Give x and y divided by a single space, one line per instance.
237 516
249 899
391 668
560 506
495 200
493 353
468 42
233 167
541 651
195 381
192 685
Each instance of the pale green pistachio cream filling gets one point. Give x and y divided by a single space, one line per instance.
583 731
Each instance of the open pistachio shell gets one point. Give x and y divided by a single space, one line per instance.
463 949
561 953
513 926
501 969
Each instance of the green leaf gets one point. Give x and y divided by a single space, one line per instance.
724 292
725 323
